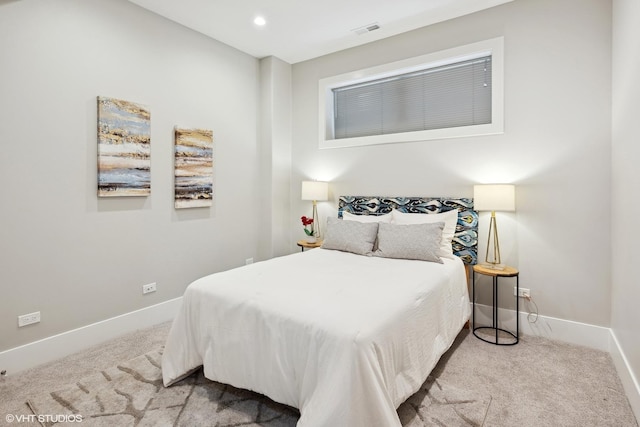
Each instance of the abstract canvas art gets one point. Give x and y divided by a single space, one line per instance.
124 148
193 168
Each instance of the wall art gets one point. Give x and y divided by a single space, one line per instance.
124 148
193 168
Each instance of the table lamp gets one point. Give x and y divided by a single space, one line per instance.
315 191
494 197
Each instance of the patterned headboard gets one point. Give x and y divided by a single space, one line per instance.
465 239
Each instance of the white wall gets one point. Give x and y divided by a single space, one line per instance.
76 258
625 316
556 145
275 157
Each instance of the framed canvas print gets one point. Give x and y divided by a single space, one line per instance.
124 148
193 168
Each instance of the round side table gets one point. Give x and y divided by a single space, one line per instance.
495 274
304 244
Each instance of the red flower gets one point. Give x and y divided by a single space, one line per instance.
305 222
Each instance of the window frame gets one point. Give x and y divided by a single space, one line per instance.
493 47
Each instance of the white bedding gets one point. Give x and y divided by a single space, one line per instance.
344 338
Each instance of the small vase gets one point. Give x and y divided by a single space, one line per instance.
311 239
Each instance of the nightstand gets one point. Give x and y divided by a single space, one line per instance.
304 244
495 275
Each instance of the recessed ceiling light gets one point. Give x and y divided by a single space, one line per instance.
260 21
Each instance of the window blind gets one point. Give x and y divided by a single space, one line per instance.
452 95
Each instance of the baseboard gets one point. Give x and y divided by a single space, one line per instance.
51 348
568 331
628 379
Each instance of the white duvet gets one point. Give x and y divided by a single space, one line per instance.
342 337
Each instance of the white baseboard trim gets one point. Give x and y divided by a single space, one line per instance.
51 348
628 379
568 331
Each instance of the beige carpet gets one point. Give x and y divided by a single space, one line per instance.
132 394
538 382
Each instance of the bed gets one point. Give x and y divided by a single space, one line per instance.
343 337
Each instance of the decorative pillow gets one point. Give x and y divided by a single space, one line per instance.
411 241
386 218
366 218
450 219
350 236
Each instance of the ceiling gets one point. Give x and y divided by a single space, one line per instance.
297 30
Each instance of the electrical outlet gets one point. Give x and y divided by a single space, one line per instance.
151 287
28 319
524 292
248 261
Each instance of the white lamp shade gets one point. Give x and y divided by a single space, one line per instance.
494 197
315 190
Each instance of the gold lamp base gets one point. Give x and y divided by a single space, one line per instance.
493 266
316 220
492 260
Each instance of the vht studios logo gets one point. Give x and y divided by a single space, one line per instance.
57 418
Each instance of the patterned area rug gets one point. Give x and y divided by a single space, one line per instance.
132 394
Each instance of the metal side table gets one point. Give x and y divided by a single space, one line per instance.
495 275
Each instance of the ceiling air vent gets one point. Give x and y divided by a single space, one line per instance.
366 29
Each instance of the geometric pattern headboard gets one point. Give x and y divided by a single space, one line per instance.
465 239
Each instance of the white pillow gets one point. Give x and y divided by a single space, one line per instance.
386 218
450 219
410 241
350 236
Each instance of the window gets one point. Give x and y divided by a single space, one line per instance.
452 95
447 94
